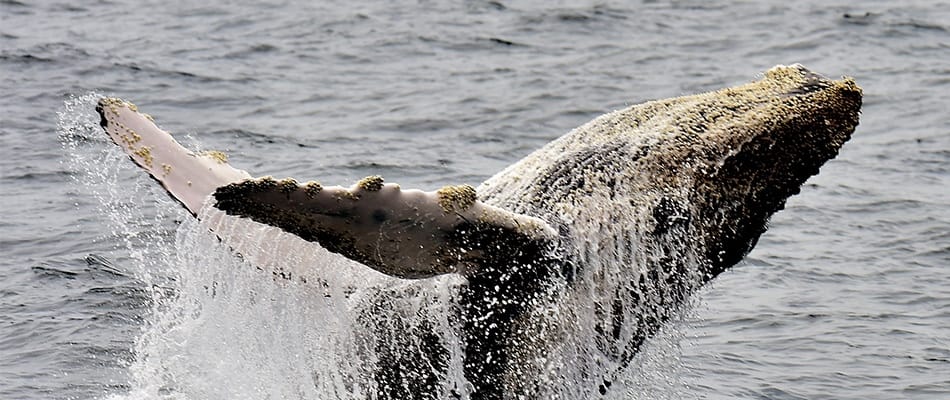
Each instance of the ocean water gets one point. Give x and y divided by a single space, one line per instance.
847 296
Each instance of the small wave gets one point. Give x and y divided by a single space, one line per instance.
54 272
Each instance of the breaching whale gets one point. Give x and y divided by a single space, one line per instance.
640 206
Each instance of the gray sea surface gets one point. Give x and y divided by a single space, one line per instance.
847 296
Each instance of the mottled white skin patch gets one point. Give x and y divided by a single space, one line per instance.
188 176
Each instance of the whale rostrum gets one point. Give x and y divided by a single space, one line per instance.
640 207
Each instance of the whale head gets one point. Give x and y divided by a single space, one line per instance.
777 132
703 172
653 200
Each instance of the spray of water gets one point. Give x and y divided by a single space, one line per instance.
307 323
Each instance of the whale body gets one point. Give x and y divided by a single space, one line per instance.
638 208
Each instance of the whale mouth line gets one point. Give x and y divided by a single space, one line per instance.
809 87
808 81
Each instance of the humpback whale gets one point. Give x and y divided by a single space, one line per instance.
639 207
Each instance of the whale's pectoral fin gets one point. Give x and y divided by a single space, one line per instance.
404 233
188 176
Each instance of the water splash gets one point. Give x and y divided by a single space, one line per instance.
220 326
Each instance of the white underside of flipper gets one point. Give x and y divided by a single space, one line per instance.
190 177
